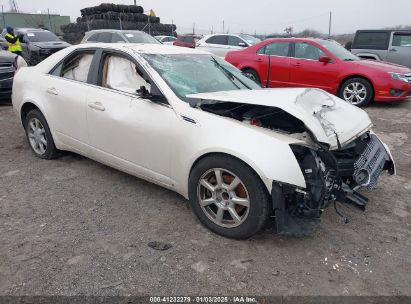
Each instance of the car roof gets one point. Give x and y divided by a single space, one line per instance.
291 39
145 48
114 31
26 29
385 31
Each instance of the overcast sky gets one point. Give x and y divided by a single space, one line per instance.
262 16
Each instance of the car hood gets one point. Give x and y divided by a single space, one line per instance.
7 57
330 119
51 44
381 66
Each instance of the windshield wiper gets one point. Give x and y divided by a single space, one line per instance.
229 74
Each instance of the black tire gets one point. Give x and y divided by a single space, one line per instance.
259 200
356 101
250 73
51 151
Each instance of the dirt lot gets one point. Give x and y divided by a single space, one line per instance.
75 227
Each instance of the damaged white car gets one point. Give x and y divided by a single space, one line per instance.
191 122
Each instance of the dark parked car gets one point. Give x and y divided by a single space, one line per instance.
9 63
187 41
39 44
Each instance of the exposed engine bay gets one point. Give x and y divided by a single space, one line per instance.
331 175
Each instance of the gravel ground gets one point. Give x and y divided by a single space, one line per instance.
75 227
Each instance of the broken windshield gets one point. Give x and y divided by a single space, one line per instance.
190 74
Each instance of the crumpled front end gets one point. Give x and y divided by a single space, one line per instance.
331 177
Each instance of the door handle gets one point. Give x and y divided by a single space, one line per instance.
297 64
97 106
259 60
52 91
393 50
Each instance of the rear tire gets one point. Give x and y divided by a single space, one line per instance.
238 204
39 136
357 91
252 75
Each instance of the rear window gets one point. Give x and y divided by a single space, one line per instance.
371 40
219 39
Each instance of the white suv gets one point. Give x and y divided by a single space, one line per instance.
221 44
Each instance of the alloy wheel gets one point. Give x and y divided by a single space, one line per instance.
37 136
355 93
223 197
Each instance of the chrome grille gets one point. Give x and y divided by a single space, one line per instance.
371 162
408 76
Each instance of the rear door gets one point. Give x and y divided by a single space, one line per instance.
400 49
308 71
66 89
277 56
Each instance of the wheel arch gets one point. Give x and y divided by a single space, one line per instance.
239 158
356 76
26 107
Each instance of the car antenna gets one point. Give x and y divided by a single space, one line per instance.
267 85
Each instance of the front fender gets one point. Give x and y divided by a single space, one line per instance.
268 153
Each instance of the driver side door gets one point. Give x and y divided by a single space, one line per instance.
126 131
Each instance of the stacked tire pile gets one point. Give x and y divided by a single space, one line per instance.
115 16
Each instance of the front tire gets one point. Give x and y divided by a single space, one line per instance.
39 135
228 197
357 91
252 75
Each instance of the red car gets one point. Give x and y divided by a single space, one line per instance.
187 41
323 64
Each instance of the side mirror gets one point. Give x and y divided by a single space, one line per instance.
154 96
242 44
324 59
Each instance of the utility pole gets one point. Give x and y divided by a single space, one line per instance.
223 26
50 25
329 27
135 2
194 28
4 17
172 23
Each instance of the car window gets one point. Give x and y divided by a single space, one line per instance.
116 38
121 74
218 39
234 41
76 67
101 37
371 40
188 39
402 39
275 49
93 37
307 51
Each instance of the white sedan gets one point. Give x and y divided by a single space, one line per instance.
191 122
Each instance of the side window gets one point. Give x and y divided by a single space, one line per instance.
218 39
76 67
121 74
234 41
401 39
307 51
116 38
188 39
371 40
277 49
104 37
94 38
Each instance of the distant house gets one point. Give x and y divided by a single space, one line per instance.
50 22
